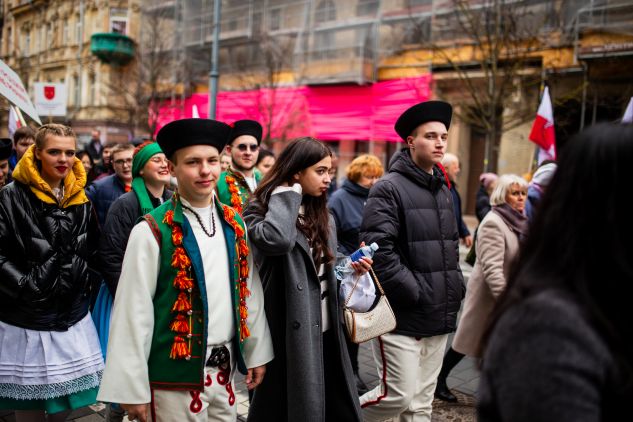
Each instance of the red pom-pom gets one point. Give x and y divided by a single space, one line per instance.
182 304
179 349
180 325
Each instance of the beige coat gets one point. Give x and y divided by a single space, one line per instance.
496 246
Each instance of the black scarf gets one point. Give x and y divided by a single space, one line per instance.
516 221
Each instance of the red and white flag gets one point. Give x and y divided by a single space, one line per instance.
542 132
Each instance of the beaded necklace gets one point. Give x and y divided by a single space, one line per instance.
204 229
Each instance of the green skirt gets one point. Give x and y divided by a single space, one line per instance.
58 404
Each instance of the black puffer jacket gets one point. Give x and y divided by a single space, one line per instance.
409 214
45 280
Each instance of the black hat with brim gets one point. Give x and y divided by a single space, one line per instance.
428 111
6 148
247 127
188 132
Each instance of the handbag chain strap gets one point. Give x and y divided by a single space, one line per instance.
371 269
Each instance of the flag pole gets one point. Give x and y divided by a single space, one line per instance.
18 112
534 163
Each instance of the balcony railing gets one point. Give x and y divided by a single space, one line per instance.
112 48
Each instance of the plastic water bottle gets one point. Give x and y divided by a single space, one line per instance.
346 268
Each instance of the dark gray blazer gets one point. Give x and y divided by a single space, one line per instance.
294 386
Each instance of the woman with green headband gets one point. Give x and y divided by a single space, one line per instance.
150 176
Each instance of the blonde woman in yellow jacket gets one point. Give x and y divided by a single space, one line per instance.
50 359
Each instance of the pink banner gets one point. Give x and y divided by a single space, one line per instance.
342 112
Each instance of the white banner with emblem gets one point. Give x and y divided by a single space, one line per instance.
50 98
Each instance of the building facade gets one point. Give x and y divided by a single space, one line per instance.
339 70
54 41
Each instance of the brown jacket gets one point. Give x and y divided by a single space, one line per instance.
496 247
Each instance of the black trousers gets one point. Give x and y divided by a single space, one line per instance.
338 403
352 349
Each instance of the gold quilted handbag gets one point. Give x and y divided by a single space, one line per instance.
364 326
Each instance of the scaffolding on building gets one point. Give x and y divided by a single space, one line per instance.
327 41
315 42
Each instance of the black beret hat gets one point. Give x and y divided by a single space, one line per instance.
187 132
246 127
6 147
428 111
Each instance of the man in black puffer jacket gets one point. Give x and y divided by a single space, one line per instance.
410 215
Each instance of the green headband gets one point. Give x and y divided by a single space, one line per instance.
143 157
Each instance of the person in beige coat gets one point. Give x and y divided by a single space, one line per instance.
498 238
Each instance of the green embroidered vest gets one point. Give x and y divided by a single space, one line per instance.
223 187
186 373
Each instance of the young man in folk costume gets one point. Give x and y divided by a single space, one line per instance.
241 179
183 320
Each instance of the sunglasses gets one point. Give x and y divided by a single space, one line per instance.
244 147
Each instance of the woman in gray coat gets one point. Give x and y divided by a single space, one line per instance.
294 242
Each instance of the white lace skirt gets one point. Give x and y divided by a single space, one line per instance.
49 364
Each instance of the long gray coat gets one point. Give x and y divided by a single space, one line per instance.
294 388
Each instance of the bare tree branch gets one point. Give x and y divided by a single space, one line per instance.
277 54
139 89
487 46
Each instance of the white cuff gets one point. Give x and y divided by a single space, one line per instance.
281 189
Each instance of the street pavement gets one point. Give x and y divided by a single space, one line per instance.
463 380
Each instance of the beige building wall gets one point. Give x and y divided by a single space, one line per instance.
516 154
45 41
459 144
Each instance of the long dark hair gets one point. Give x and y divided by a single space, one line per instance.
580 241
297 156
92 173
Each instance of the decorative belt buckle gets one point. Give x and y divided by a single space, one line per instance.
219 356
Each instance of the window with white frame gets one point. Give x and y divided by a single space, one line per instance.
9 40
49 34
26 42
38 40
76 89
118 21
325 11
275 19
367 7
65 31
92 90
77 29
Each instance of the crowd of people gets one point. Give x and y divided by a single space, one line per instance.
148 276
